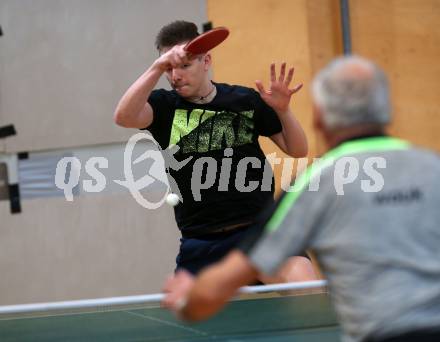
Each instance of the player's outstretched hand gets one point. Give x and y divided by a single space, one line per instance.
278 95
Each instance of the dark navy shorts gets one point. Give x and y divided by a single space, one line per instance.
196 253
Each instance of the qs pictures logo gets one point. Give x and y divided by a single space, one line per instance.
69 170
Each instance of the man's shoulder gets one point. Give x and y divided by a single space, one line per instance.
234 88
424 156
164 93
163 97
425 152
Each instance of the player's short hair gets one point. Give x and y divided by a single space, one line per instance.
174 33
352 90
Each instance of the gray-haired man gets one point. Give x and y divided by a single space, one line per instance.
376 235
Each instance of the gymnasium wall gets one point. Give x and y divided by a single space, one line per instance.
64 65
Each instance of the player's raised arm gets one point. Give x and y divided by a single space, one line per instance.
133 109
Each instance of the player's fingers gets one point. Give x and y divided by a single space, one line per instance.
184 55
168 283
181 59
174 60
282 72
178 57
260 87
180 50
289 77
190 56
272 73
167 302
183 274
181 56
296 89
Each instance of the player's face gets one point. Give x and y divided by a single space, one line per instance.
188 78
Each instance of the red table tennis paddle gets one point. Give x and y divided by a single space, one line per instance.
207 41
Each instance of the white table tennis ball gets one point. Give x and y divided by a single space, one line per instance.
172 199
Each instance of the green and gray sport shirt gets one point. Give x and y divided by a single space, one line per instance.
370 210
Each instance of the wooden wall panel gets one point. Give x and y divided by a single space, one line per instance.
403 37
325 41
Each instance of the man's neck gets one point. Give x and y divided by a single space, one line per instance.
205 95
337 137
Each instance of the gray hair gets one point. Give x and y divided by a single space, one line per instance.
350 91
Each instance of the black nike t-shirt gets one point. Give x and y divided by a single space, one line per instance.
227 180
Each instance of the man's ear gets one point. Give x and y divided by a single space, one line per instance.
207 61
318 123
320 129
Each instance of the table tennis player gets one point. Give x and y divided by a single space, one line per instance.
376 235
217 123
